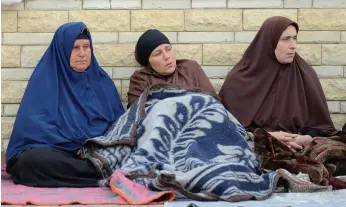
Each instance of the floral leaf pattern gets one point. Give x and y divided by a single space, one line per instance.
192 137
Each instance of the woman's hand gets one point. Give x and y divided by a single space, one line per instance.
289 139
283 136
303 140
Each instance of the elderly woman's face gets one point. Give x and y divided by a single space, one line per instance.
80 55
286 47
163 59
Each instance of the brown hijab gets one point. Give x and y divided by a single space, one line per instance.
188 73
261 91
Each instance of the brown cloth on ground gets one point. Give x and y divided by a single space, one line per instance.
188 73
321 159
261 91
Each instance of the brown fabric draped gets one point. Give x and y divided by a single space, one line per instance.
188 73
259 90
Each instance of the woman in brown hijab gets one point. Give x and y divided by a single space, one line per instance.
156 54
272 87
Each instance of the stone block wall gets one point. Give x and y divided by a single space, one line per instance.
215 33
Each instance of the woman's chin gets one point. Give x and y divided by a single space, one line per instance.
169 71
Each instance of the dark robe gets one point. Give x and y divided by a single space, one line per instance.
260 91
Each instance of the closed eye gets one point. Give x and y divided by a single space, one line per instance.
157 53
168 48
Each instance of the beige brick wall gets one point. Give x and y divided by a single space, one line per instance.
214 33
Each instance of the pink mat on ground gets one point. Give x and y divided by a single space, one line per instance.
22 195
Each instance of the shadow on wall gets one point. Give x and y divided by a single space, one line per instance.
9 2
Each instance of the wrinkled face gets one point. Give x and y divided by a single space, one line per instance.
286 47
163 59
80 55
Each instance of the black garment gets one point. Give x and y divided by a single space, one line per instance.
313 132
340 168
47 167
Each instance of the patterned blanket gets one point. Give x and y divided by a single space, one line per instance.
321 159
182 140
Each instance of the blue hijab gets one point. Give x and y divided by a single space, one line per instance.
61 107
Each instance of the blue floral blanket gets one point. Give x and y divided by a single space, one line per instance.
182 140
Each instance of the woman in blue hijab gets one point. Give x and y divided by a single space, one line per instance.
69 98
